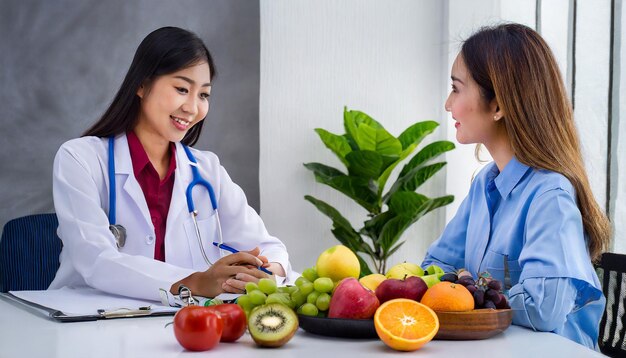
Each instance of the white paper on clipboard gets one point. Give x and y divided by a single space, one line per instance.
84 304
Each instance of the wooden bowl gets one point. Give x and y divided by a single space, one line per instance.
476 324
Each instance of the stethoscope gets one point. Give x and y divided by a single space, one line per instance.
119 232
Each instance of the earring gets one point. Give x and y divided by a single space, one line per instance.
495 118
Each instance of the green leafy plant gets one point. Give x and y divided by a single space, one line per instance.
370 154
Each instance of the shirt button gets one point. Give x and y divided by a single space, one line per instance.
149 239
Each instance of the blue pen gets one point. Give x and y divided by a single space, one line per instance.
234 251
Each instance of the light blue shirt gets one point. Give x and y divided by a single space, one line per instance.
528 220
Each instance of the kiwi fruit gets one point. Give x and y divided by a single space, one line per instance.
272 325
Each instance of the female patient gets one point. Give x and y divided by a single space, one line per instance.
530 218
157 113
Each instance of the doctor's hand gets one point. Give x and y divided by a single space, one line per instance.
237 283
212 282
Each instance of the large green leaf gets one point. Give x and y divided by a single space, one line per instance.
362 118
356 188
409 207
359 190
413 179
406 202
392 232
323 171
364 163
342 229
336 143
382 180
353 119
365 270
415 133
377 140
374 226
427 153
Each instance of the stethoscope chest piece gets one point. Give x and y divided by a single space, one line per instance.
119 232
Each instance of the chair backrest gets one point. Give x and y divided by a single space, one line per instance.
612 273
29 253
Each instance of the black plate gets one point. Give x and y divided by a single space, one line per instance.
338 327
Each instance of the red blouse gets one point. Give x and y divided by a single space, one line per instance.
158 193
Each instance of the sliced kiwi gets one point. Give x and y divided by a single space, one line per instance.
272 325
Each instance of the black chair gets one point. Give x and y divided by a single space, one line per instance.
612 273
29 253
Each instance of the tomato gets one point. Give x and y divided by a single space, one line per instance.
234 318
197 328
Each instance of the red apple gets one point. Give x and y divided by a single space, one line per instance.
412 288
351 300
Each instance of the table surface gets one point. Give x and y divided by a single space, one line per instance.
26 333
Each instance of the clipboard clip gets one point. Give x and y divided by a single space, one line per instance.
185 295
125 312
185 298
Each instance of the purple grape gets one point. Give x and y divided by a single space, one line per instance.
471 288
493 295
503 302
466 281
479 297
495 285
450 277
489 304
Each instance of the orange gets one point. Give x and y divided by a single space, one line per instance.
448 296
405 325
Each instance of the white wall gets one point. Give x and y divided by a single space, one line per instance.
392 60
381 57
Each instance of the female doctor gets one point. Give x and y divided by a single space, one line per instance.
157 112
530 218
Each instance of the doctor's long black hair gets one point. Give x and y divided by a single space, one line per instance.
163 51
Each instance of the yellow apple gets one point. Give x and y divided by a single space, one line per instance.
403 270
372 281
337 263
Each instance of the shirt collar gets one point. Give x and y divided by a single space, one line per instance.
510 176
140 159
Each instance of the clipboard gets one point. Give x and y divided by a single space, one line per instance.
87 304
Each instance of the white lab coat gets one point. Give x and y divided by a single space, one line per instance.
90 256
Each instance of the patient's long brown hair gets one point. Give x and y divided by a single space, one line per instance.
514 65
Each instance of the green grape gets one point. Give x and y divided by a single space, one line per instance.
298 298
281 298
257 297
244 302
310 274
309 309
323 301
291 289
300 280
251 286
267 285
283 289
312 297
306 288
323 284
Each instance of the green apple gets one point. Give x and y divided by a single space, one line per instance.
405 269
431 279
434 270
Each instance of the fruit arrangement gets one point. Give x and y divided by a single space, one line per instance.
403 303
486 291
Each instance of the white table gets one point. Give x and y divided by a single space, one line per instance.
24 333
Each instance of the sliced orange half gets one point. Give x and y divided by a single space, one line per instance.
405 325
